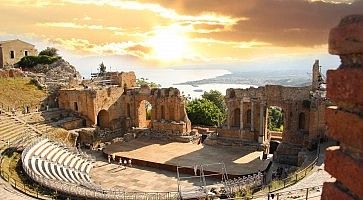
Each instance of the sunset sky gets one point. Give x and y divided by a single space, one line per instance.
165 33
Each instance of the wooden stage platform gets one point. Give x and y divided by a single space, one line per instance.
169 155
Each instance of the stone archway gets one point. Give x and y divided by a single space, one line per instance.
236 118
145 114
302 121
103 119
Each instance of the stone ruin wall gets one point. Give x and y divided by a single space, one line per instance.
126 79
290 99
168 112
123 106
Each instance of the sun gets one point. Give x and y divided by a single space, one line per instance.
168 44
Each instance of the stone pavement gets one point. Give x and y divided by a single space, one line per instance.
141 179
237 160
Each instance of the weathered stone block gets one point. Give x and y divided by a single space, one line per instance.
347 37
345 169
345 85
345 127
332 192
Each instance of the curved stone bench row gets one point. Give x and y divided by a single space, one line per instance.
53 161
61 169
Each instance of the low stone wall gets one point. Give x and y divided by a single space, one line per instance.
176 128
238 134
74 124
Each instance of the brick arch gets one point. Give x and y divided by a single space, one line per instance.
236 117
302 121
144 115
103 119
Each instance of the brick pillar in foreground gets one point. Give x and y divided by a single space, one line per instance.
345 120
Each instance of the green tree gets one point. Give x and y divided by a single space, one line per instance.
204 112
102 69
145 81
275 119
217 98
49 51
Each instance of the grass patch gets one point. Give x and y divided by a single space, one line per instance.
20 92
12 171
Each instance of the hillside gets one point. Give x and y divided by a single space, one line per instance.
17 92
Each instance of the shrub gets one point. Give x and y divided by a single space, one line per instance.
49 51
31 61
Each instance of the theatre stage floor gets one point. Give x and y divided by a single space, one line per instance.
238 161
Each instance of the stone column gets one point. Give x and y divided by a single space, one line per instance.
252 114
229 115
262 122
241 115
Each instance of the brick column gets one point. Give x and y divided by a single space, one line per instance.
252 113
229 114
345 121
241 115
262 122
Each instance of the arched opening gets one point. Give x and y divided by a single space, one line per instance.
302 121
103 119
128 109
275 119
148 108
171 114
145 114
236 117
273 146
248 118
162 112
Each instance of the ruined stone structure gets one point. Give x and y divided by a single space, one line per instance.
247 117
124 106
12 51
345 121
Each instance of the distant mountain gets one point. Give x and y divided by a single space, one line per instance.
259 78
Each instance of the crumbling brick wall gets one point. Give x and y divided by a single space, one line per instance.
345 120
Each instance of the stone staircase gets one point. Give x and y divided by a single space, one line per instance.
14 132
44 121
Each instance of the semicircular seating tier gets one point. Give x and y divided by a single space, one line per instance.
55 161
60 168
66 170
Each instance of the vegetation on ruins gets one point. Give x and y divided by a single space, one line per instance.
49 51
275 119
148 108
145 81
102 69
204 112
32 61
46 56
217 98
210 110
